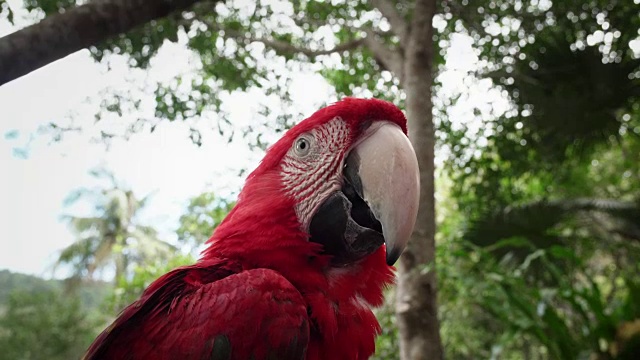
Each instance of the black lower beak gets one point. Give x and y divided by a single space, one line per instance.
346 227
344 224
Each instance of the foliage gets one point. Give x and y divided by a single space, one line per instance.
387 342
549 188
548 223
10 282
90 293
576 317
575 97
112 236
502 309
245 46
63 326
204 213
44 325
129 289
572 79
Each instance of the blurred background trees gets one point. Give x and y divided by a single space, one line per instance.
112 237
45 325
537 185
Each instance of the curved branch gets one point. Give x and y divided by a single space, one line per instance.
62 34
388 58
286 47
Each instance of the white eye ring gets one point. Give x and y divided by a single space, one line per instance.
302 146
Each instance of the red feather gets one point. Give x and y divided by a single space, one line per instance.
184 313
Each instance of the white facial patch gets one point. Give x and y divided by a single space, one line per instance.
310 179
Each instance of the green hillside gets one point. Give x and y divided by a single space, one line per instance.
91 293
41 319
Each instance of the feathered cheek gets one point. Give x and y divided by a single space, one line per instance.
306 208
309 191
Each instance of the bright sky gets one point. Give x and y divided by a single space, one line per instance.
165 163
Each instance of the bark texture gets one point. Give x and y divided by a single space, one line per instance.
412 64
416 295
62 34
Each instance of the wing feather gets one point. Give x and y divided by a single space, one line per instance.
210 313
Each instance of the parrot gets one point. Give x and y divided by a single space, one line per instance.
297 266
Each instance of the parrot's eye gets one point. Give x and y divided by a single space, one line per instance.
302 146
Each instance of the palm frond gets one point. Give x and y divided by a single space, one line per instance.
534 221
111 237
82 224
574 97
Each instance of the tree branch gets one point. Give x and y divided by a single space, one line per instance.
387 58
399 25
62 34
284 46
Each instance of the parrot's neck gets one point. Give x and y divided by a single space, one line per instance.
339 299
343 310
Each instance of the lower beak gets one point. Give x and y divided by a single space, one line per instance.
390 182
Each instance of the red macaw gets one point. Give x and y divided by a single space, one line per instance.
293 271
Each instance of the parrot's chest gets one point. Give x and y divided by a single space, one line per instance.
343 325
351 336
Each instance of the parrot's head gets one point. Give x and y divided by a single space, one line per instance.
345 178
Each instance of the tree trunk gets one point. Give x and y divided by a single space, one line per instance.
416 305
62 34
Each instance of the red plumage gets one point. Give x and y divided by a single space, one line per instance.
261 288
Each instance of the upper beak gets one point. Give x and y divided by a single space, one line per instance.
390 182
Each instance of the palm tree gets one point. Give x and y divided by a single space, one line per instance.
112 237
603 218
